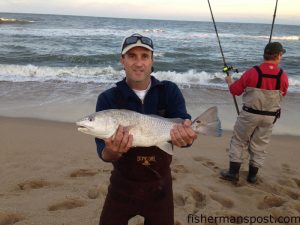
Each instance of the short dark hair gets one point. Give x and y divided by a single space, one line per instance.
270 56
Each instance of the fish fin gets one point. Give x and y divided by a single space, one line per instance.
166 147
208 123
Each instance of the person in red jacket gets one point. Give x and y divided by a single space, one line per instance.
262 87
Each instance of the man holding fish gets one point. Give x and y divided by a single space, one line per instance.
140 146
141 181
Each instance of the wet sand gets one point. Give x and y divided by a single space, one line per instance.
68 102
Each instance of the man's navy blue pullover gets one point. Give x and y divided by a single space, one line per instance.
123 97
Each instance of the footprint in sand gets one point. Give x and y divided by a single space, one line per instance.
179 199
281 190
289 182
35 184
292 194
84 173
207 163
297 181
179 169
69 203
95 191
199 198
10 218
224 201
287 169
199 159
271 201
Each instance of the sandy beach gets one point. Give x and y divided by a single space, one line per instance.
51 175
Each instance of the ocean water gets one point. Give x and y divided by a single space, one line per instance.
54 66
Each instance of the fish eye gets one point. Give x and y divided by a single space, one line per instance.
198 121
91 118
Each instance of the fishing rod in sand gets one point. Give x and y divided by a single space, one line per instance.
274 15
226 68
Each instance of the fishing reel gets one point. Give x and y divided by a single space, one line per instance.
227 69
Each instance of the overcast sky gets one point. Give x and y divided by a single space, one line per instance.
262 11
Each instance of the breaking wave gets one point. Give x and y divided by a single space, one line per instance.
287 38
110 75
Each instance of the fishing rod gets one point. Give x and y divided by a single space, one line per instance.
274 15
226 68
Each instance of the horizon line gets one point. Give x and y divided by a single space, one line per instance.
159 19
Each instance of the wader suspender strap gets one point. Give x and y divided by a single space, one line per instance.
259 83
261 76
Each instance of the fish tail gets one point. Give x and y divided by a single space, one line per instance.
208 123
213 129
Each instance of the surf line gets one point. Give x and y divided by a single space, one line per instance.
226 68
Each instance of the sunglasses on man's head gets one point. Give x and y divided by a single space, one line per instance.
134 39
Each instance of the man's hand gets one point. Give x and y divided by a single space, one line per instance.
182 134
117 144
